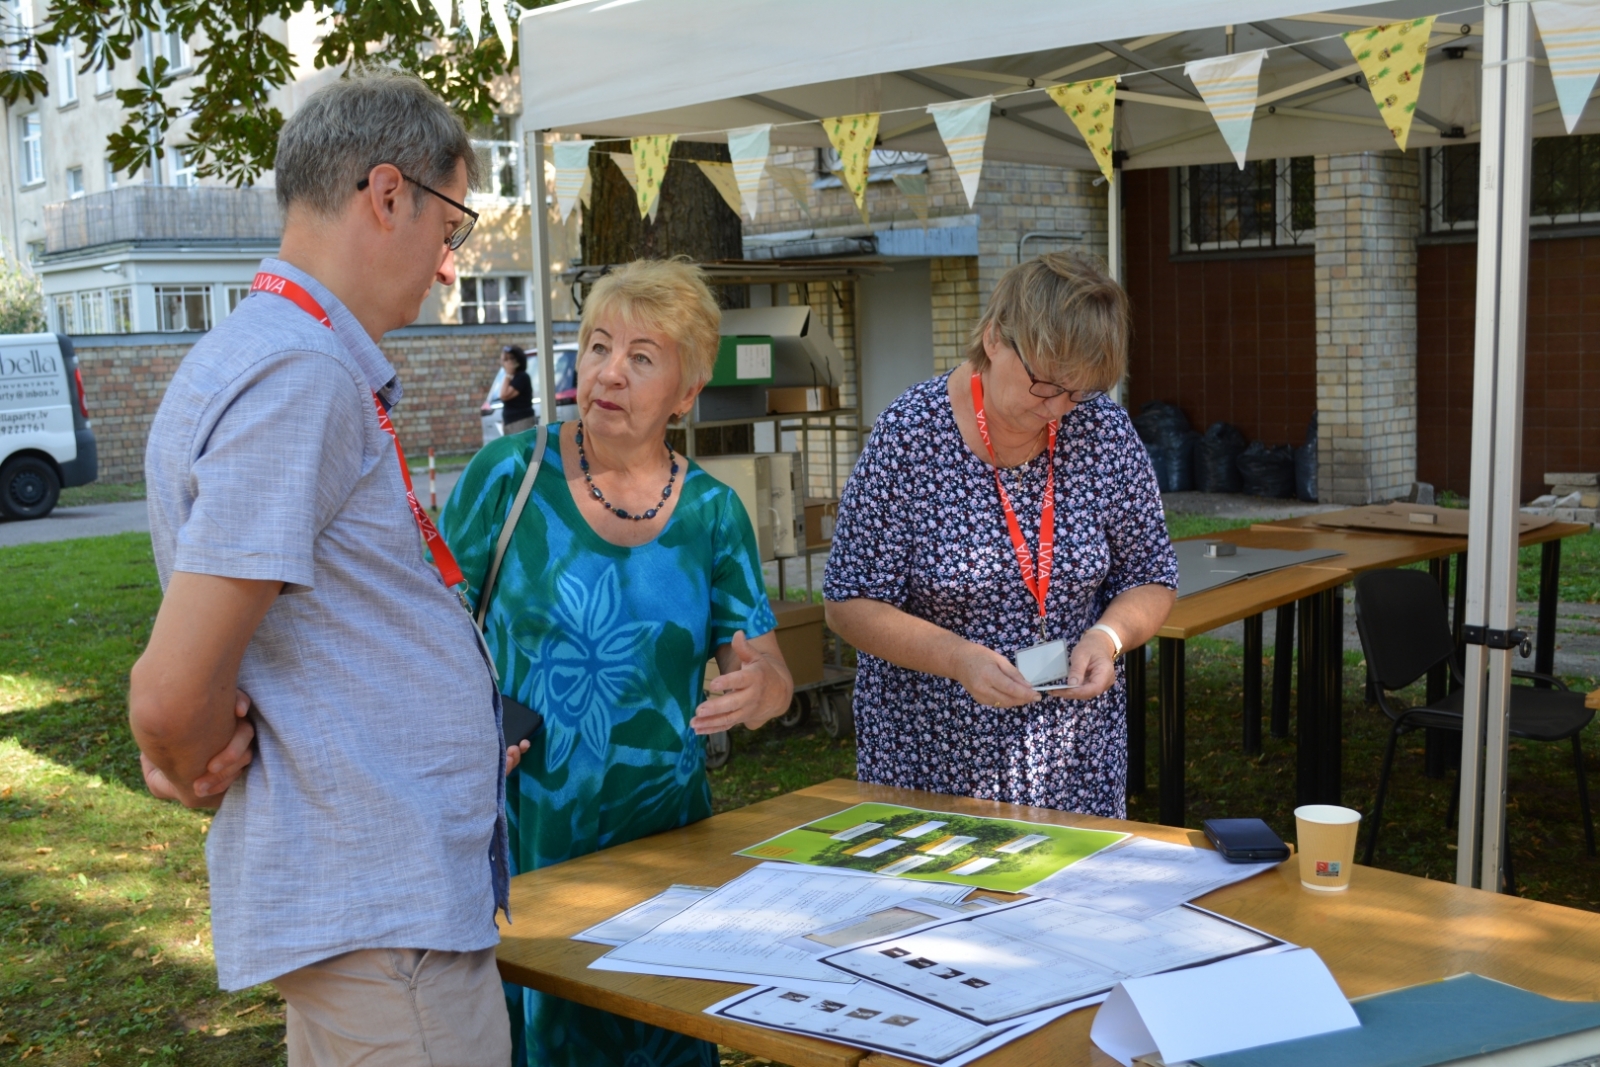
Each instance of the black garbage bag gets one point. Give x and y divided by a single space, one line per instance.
1267 470
1178 460
1305 465
1160 423
1214 454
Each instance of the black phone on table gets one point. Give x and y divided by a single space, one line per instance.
1245 840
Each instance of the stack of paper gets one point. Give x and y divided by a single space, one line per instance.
1144 877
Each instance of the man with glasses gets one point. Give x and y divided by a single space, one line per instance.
358 860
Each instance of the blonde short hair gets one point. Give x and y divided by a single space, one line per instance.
665 294
1065 316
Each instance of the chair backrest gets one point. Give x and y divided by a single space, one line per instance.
1401 619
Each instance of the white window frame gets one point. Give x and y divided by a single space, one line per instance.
31 157
200 294
182 169
25 25
67 72
170 45
75 186
493 157
63 313
497 310
231 296
102 80
119 308
92 311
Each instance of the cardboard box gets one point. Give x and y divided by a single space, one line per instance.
820 516
743 360
798 400
799 633
751 478
788 514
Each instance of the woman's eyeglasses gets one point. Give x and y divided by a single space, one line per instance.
462 232
1050 390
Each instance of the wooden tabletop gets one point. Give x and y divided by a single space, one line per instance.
1549 532
1388 930
1223 604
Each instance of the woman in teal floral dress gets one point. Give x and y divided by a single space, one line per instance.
629 569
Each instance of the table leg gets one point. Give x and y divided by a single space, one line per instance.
1138 706
1282 670
1171 784
1330 740
1544 654
1252 684
1438 681
1307 711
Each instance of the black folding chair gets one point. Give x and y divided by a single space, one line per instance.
1404 633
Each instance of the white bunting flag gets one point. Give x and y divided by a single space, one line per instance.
1570 30
445 9
502 24
571 160
797 182
720 175
472 18
964 125
914 187
748 148
1228 86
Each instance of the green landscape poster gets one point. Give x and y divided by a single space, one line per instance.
1007 855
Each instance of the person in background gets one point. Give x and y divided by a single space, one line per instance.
937 573
358 861
516 392
630 568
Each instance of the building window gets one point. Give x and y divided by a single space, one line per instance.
32 150
500 163
183 308
67 71
183 168
35 252
497 298
1270 203
111 175
65 319
92 311
236 293
28 61
1564 184
882 166
102 80
169 45
121 310
74 182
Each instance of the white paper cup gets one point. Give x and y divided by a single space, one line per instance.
1327 845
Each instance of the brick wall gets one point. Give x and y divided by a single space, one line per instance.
1226 339
1561 404
1366 283
446 370
955 308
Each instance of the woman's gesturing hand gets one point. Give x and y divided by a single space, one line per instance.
759 690
992 679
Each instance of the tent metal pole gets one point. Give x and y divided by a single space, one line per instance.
1496 439
539 228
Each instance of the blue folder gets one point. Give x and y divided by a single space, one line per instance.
1420 1026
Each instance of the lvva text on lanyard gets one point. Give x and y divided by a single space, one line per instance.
442 557
1036 576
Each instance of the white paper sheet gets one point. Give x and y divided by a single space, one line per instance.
644 917
1223 1007
737 933
1143 877
871 1017
1038 953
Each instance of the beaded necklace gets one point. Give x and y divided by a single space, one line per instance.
594 490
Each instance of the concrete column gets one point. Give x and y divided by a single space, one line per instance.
1368 214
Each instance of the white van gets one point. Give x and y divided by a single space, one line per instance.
46 443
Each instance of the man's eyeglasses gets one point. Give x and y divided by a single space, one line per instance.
1050 390
462 232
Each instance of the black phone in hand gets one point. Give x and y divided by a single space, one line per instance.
518 722
1245 840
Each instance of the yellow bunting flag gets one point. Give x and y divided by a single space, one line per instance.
720 175
852 137
1091 106
650 167
1392 57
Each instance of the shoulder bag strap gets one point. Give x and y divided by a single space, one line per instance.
523 491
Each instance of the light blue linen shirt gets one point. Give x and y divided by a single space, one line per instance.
373 813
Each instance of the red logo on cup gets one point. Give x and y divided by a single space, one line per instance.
1327 868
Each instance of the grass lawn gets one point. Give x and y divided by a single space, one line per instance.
104 927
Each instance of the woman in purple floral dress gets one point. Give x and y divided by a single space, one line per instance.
936 576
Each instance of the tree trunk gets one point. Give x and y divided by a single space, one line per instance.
692 219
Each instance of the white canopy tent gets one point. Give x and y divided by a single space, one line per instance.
698 68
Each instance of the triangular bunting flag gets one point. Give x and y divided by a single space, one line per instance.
853 136
571 159
1570 30
625 165
914 187
472 18
502 25
1092 107
861 208
749 148
444 9
720 175
587 192
796 182
650 166
1228 86
1392 57
964 125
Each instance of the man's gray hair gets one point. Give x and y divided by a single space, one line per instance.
338 135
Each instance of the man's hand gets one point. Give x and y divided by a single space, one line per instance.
223 769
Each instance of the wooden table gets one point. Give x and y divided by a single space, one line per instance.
1389 930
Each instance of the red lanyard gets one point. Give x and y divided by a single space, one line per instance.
442 557
1037 579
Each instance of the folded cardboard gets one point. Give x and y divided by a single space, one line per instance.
743 360
798 400
750 477
820 516
799 636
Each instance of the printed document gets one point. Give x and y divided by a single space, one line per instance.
1143 876
1005 962
644 917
